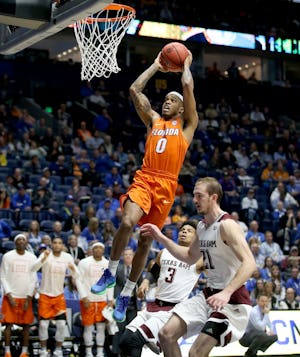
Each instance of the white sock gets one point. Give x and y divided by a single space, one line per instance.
7 349
88 349
99 350
24 349
112 266
128 288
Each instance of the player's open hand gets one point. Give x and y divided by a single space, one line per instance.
219 300
142 289
152 231
188 61
161 68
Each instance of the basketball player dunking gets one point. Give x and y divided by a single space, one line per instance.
151 196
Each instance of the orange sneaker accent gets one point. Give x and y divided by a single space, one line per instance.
24 354
7 354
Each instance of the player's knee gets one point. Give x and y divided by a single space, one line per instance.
60 330
166 336
144 242
131 343
43 329
127 223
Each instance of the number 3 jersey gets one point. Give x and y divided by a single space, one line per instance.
220 262
176 280
165 147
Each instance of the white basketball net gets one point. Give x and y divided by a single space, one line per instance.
98 38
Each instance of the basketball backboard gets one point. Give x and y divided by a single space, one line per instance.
16 38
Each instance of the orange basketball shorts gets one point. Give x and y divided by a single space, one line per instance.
93 314
154 192
17 315
51 306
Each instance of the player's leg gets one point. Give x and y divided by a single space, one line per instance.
100 338
138 265
7 336
132 343
25 340
88 339
169 335
131 215
60 321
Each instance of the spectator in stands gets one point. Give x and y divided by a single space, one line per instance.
80 194
75 218
108 233
92 231
289 302
74 249
4 198
52 304
95 141
287 228
235 216
281 174
5 231
292 261
278 212
18 282
258 290
103 160
109 194
266 272
178 215
294 282
91 177
293 188
277 277
67 208
279 154
280 194
55 150
33 165
34 234
90 211
57 228
103 121
91 305
60 168
267 176
112 177
255 249
46 180
249 206
20 200
117 218
19 179
83 133
105 213
40 199
97 99
82 241
269 248
9 185
252 282
255 232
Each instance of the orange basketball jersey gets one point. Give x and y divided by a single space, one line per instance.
165 147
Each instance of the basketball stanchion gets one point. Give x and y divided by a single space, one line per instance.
98 38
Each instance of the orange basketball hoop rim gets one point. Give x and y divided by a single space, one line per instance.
110 7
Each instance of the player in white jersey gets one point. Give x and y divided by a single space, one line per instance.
219 314
175 282
92 305
18 282
52 303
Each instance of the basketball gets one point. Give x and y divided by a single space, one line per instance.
173 55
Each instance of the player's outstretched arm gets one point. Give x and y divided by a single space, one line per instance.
190 114
140 100
190 255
